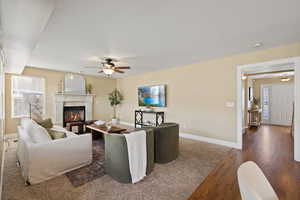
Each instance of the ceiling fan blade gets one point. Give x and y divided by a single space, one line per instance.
91 67
101 71
109 58
125 67
119 71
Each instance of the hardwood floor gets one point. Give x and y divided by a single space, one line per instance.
271 147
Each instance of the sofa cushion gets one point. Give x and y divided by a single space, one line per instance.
58 128
56 134
38 133
71 134
61 129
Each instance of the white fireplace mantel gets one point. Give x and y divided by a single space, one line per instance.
62 100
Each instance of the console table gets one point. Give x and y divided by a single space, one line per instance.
139 118
254 117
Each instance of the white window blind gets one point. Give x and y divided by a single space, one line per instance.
27 96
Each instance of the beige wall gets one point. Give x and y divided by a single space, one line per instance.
101 88
197 93
258 82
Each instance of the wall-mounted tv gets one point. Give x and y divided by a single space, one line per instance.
152 96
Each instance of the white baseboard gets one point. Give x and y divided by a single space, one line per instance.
198 138
126 123
245 129
209 140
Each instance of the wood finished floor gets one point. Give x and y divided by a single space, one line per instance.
271 147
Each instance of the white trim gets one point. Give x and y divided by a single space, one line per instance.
295 62
209 140
245 129
239 110
198 138
297 113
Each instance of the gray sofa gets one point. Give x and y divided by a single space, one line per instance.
166 137
116 156
162 147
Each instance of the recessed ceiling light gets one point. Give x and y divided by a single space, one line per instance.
257 44
244 78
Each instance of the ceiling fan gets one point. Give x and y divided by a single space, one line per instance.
109 66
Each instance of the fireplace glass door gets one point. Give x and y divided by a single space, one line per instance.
74 114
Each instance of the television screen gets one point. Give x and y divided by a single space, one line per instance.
152 96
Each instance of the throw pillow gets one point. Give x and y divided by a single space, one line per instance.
56 134
47 123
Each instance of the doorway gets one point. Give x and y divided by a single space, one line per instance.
277 103
265 67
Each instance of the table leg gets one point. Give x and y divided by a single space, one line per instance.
80 129
95 134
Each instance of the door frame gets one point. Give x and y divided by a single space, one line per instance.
261 67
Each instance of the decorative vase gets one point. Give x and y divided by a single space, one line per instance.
114 121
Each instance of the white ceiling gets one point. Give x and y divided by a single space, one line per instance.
152 35
22 22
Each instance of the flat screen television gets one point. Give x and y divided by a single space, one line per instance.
152 96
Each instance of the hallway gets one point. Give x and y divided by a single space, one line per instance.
271 147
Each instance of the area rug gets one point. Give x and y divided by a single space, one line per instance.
175 180
90 172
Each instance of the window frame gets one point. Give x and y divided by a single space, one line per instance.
13 116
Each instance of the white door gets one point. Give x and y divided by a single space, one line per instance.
277 103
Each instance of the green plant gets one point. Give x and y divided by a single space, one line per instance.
115 98
89 88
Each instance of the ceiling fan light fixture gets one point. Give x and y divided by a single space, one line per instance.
285 79
108 71
257 44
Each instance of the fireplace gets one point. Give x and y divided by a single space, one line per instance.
73 114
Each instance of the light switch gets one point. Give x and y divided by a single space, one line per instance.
230 104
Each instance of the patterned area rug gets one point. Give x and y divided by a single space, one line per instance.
173 180
91 172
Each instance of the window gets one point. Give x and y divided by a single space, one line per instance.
265 103
27 96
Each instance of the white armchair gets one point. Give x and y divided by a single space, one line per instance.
253 183
42 161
